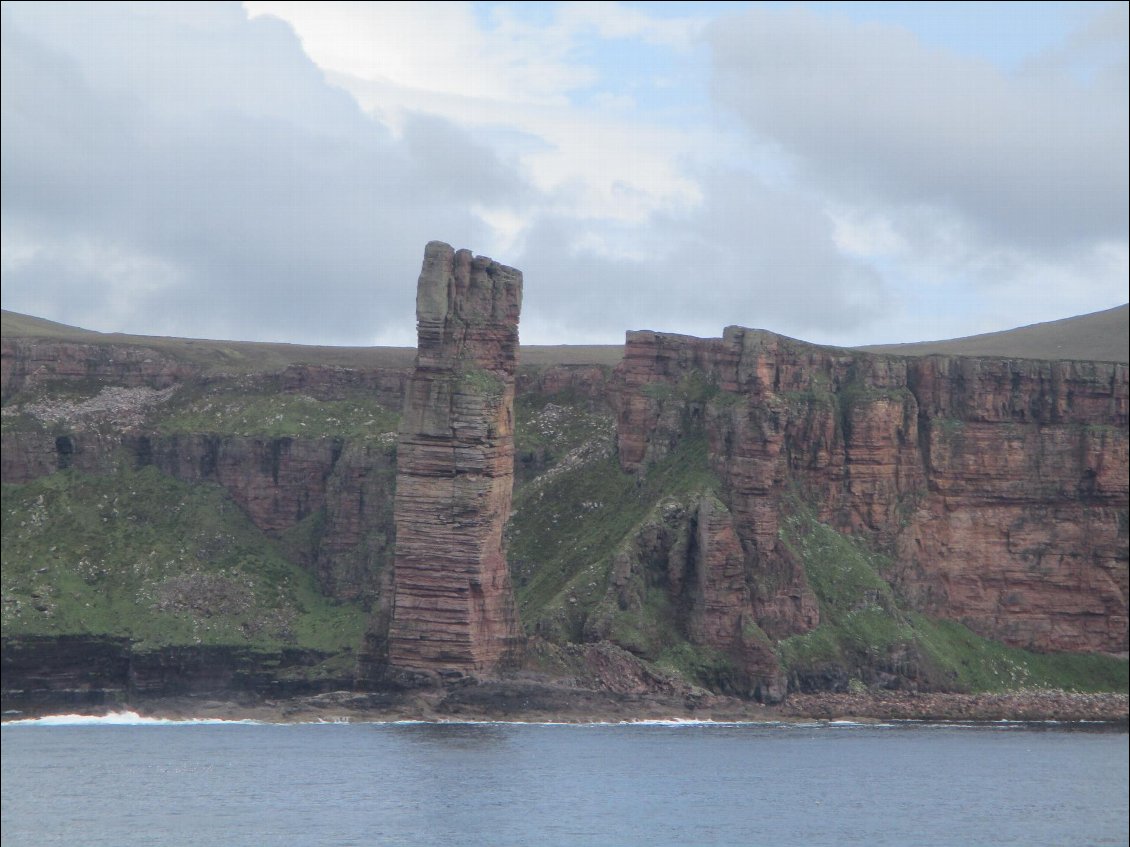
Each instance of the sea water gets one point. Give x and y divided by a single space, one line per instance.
125 782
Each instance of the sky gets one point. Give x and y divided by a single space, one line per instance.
844 173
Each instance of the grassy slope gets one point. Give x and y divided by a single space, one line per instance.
261 357
567 524
142 555
1100 336
274 415
567 530
864 627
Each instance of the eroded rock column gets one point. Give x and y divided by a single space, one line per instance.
453 608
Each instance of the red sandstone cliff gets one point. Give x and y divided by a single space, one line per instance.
453 607
27 363
89 407
999 487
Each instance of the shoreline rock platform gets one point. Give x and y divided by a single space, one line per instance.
527 700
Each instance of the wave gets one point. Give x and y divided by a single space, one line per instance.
130 718
121 719
668 722
641 722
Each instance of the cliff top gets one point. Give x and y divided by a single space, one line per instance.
259 356
1099 336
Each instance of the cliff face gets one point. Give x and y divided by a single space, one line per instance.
27 364
453 607
999 488
45 674
989 492
345 487
325 494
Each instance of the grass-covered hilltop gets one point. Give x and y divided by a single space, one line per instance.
749 516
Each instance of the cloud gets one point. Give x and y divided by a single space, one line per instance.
628 221
750 254
439 48
507 71
618 21
871 114
199 176
188 169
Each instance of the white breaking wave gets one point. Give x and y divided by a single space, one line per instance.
120 719
668 722
862 724
128 718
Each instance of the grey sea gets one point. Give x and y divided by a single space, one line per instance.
130 783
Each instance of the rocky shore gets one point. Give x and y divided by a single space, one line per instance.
1013 706
537 702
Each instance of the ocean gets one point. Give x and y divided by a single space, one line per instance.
126 781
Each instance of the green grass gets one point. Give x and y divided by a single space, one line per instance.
843 573
566 530
638 615
141 555
23 422
1099 336
861 624
548 428
557 423
864 628
703 665
15 325
569 531
974 663
281 415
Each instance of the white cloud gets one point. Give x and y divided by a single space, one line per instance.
873 115
865 232
434 47
986 198
190 170
265 205
617 21
595 162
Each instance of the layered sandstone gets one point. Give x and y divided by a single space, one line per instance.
284 481
327 498
30 363
453 608
998 487
683 574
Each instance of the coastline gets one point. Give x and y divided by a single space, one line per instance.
544 704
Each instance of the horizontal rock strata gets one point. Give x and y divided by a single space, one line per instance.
453 607
998 486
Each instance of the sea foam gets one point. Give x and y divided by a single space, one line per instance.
119 719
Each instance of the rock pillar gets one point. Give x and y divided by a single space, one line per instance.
453 608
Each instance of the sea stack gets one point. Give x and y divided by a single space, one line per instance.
453 607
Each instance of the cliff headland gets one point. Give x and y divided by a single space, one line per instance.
738 526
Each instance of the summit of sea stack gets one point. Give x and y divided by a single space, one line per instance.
452 606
